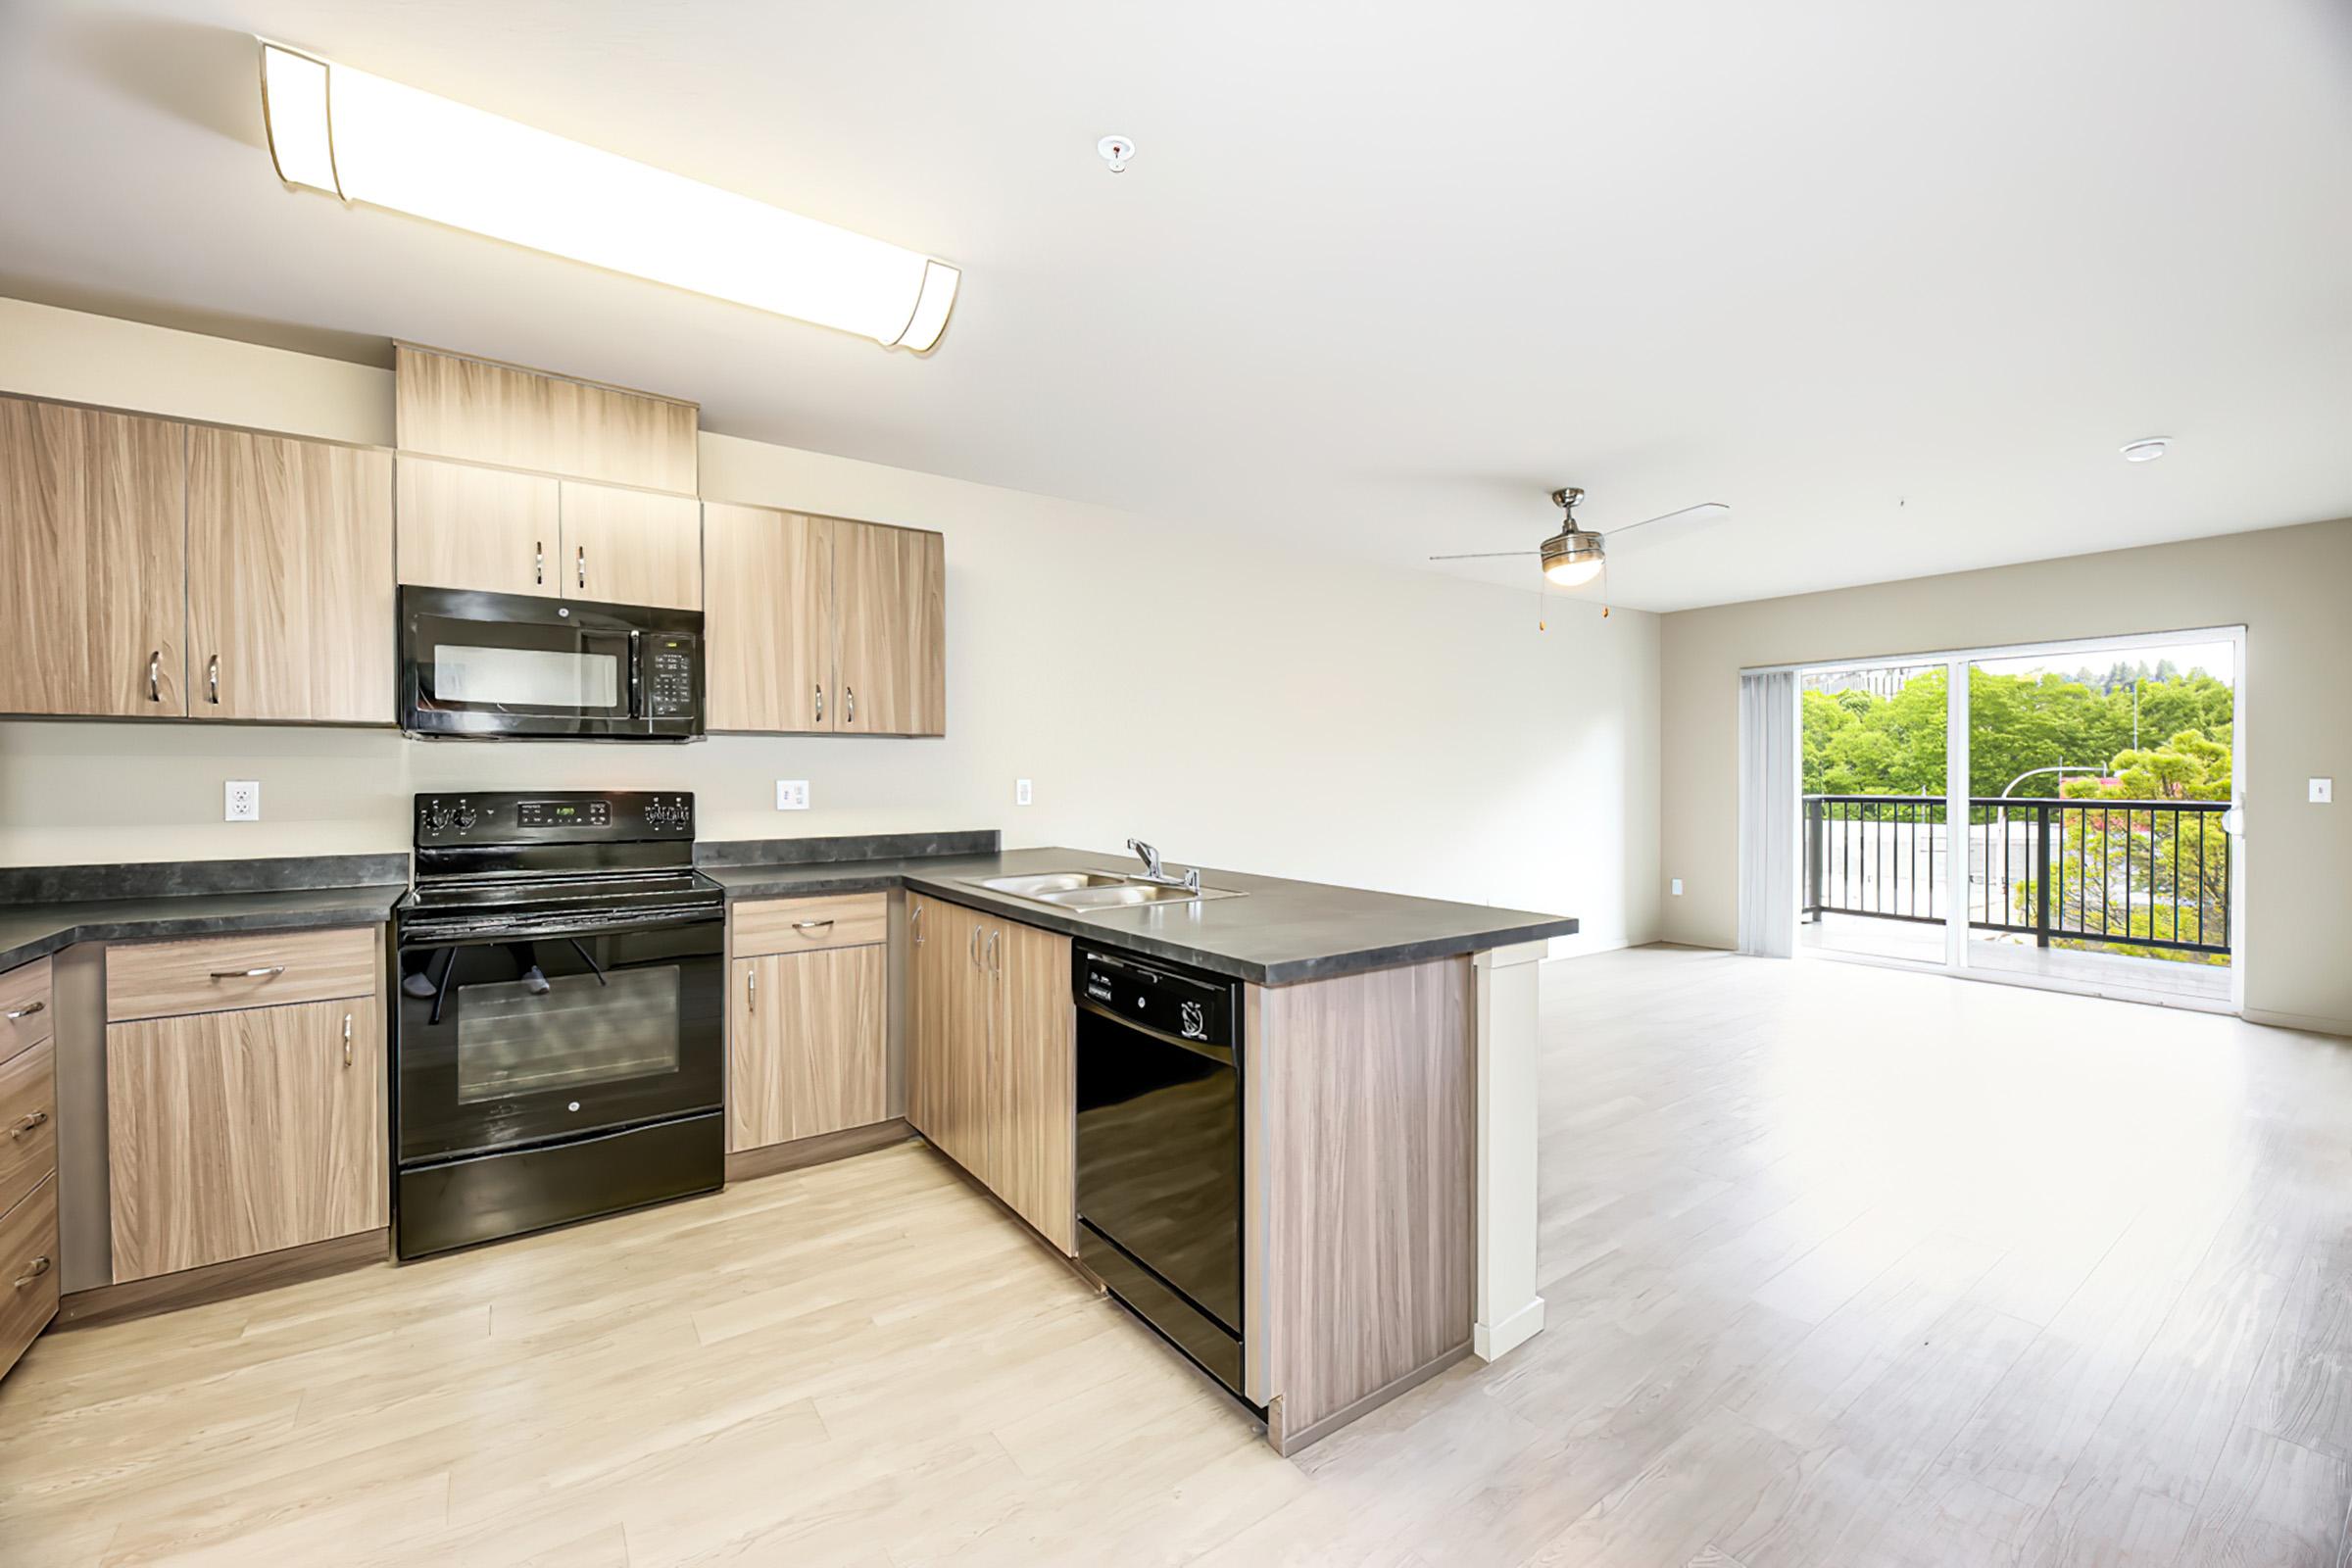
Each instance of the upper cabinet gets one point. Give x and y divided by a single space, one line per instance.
767 619
891 592
633 547
289 564
450 406
823 624
93 562
487 529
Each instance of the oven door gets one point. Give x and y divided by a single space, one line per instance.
627 1031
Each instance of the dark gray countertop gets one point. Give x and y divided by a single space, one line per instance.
1281 933
28 931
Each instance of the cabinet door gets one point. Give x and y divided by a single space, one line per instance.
290 596
93 562
808 1055
891 586
767 619
232 1134
1035 1086
923 1007
631 547
481 528
963 1029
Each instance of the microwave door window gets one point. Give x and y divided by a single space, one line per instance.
525 679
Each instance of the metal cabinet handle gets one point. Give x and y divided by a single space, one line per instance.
40 1266
813 926
212 679
972 949
989 962
583 565
155 676
849 704
820 702
914 919
249 974
25 1127
751 990
347 1040
539 562
27 1011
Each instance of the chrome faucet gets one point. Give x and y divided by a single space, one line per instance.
1155 872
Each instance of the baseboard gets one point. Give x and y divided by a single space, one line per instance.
1493 1343
218 1282
1288 1443
822 1150
1560 949
2307 1022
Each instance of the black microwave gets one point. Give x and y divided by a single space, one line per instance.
519 666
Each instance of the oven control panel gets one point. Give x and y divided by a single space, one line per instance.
557 816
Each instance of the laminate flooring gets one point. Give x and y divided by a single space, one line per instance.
1846 1267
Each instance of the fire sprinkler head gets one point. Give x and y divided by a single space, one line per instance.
1116 151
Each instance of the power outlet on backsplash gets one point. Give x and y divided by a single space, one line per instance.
241 800
792 794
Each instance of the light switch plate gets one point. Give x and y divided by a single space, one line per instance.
1678 887
1020 791
241 800
792 794
2323 790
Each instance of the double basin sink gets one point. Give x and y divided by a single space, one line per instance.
1088 891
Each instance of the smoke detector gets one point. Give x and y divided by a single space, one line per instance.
1116 151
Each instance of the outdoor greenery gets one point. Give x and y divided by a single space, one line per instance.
2144 872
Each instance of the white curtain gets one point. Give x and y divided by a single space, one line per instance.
1768 779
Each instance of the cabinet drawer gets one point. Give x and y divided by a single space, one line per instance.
799 926
25 1013
27 1271
163 979
27 1122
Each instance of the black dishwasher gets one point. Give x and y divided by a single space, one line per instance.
1159 1146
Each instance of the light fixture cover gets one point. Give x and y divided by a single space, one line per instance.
1572 559
2146 451
366 139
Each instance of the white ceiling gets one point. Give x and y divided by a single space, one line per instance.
1894 280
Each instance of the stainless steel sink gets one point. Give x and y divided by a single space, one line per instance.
1038 885
1083 891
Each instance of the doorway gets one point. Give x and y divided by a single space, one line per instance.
2062 815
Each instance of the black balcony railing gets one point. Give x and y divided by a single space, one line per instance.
2149 875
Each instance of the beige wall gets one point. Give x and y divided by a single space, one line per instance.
2290 588
1235 702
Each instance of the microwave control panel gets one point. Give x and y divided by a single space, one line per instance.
671 675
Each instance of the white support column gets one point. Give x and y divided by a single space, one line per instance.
1510 1311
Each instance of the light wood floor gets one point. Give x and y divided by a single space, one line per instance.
1846 1267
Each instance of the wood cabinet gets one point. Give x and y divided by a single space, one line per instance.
767 619
993 1059
891 620
93 562
236 1127
290 595
823 626
808 1054
633 547
232 1134
481 411
487 529
29 1272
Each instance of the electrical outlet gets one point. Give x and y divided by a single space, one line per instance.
1678 887
792 794
1020 791
242 800
2323 790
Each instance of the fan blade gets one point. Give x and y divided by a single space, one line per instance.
1705 509
1490 555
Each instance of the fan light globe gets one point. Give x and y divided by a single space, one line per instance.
1572 559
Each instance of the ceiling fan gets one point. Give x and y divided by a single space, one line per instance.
1576 555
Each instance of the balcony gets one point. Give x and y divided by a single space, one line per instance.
2130 895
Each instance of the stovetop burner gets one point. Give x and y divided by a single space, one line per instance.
508 863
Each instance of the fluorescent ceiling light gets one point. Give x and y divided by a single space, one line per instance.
366 139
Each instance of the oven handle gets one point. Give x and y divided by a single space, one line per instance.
1221 1054
451 937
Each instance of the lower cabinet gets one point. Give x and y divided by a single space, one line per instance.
991 1059
29 1274
247 1128
809 1053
